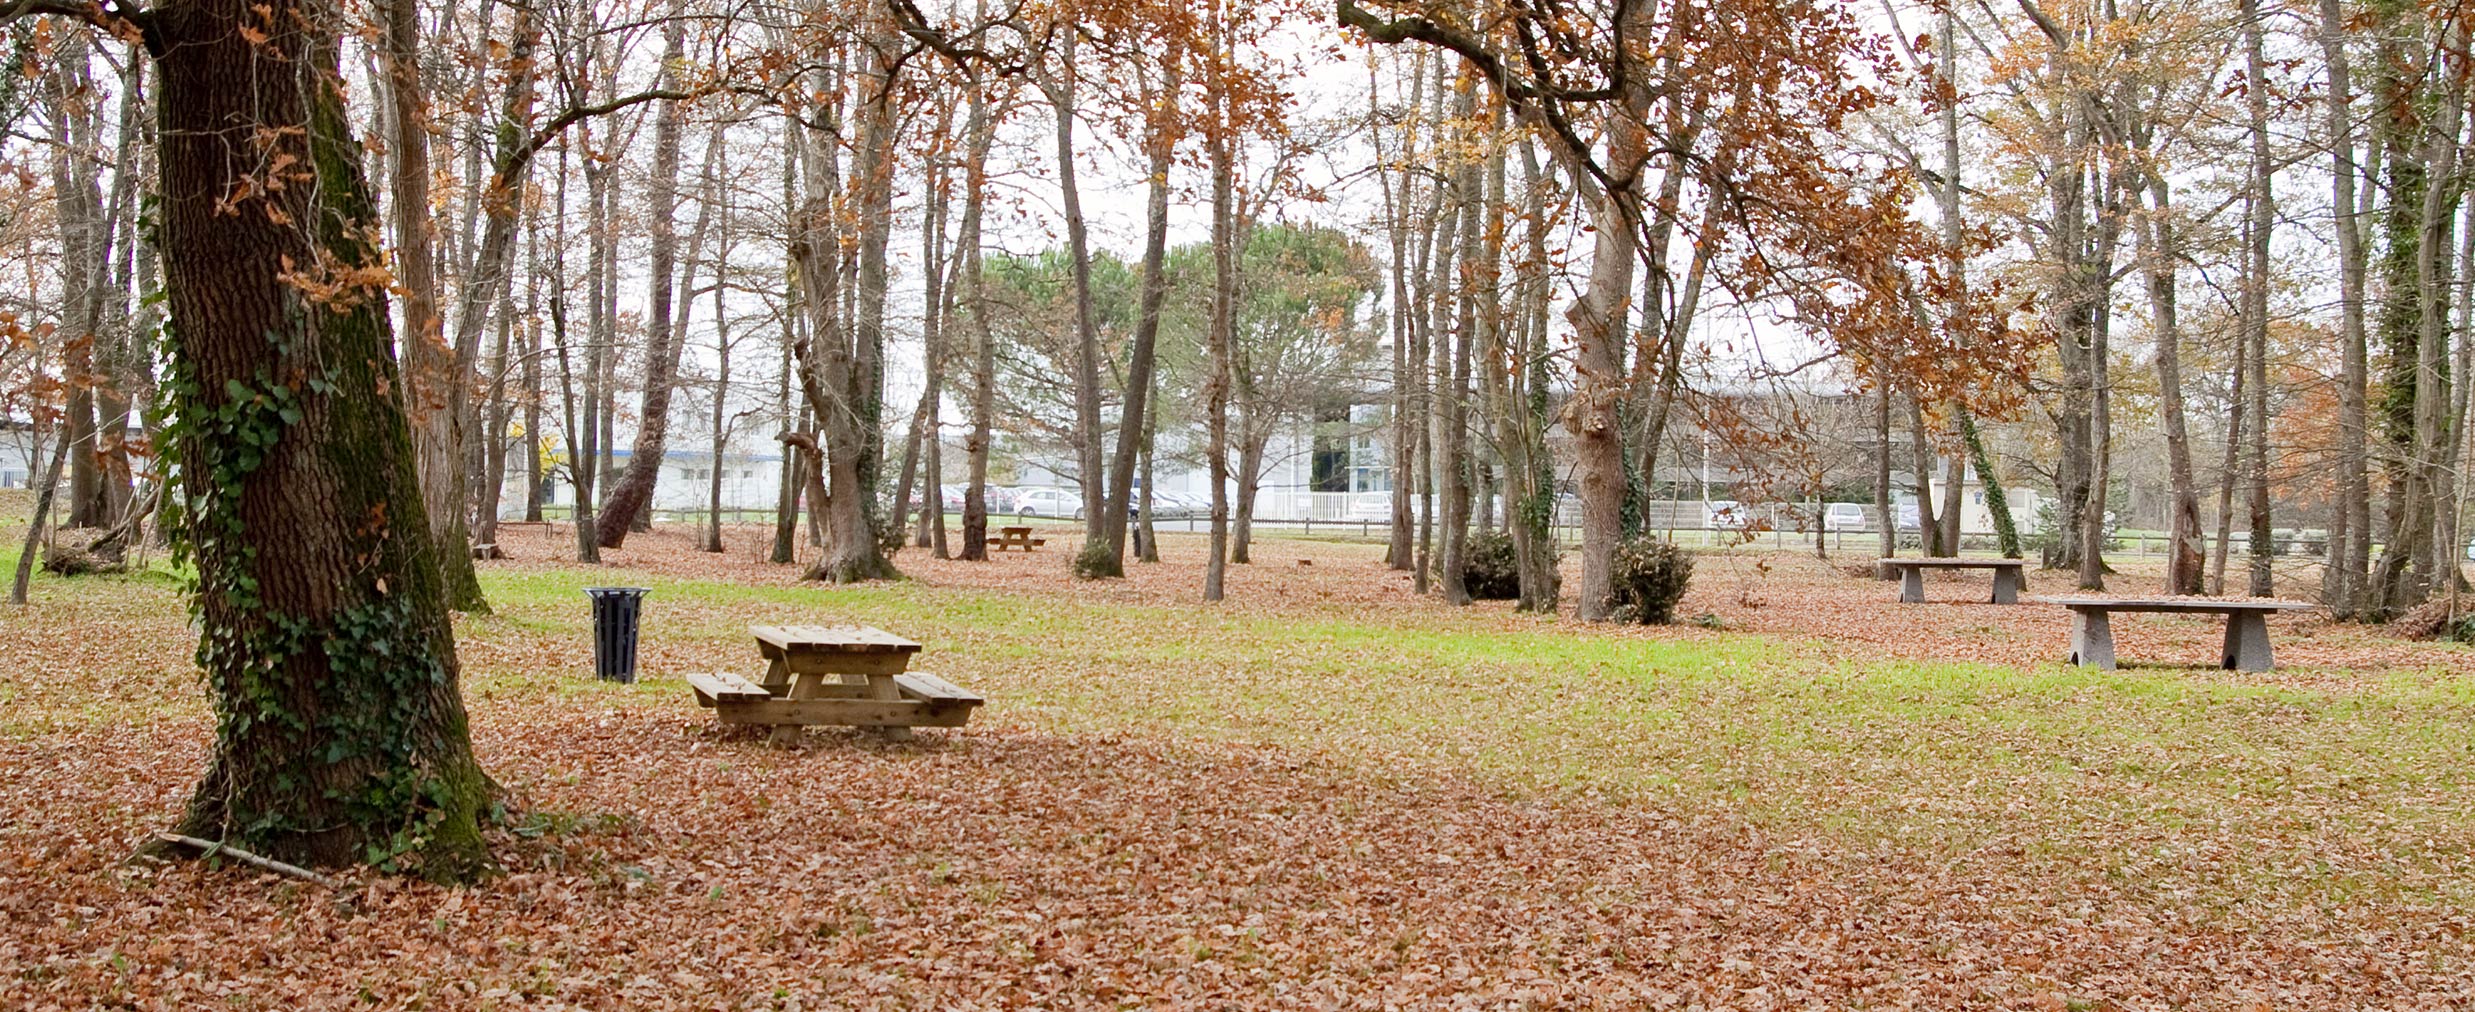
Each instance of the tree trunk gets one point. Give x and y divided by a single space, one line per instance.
2229 469
980 130
1529 469
1150 539
1250 483
2350 529
786 497
1598 319
2184 549
634 492
50 477
1134 422
326 641
936 316
85 252
493 443
1224 296
1920 470
2263 209
1092 477
721 417
842 368
435 390
1886 519
1453 354
1405 422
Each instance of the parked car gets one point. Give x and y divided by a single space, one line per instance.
1001 498
1047 502
1721 514
1845 516
1178 505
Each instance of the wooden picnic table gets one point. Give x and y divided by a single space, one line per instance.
853 676
1016 537
1912 575
2247 626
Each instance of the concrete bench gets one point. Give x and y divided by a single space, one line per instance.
2247 626
2007 578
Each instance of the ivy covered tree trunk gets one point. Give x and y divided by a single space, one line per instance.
325 637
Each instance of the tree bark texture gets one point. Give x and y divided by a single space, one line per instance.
324 632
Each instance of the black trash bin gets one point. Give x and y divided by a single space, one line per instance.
614 631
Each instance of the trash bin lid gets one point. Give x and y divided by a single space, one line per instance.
617 591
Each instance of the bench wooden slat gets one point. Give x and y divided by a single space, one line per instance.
846 639
931 689
844 712
1954 563
724 687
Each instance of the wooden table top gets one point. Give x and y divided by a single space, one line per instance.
2173 604
836 639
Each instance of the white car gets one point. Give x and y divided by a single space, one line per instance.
1048 502
1844 516
1721 514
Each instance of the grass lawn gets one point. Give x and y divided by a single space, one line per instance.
1326 791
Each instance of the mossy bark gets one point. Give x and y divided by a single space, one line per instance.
325 639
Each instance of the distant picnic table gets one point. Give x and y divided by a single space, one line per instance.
1016 537
844 675
2247 626
1912 575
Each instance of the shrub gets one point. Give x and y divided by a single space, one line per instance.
1095 563
1650 576
1489 568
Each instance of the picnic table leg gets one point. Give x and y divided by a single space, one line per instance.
2247 642
2006 585
2092 639
1911 584
808 687
883 687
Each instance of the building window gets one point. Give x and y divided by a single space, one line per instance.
1369 456
1331 463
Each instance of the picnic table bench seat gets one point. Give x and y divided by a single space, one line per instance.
724 687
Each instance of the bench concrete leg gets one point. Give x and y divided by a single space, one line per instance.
2247 642
2092 640
2006 586
1912 585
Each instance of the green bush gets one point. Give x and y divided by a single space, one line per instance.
1650 576
1095 563
1489 568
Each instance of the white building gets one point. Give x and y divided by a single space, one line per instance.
750 481
17 465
